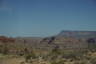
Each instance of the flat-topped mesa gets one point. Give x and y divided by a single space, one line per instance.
72 39
78 34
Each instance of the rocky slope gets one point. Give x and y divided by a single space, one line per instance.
72 39
64 40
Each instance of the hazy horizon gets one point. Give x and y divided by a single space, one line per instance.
46 17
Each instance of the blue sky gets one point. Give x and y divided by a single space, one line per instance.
46 17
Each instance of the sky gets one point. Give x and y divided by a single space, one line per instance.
46 17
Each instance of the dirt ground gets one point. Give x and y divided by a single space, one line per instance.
11 61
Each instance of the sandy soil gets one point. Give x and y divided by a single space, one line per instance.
11 61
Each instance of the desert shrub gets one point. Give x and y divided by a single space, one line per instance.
59 62
76 62
53 62
27 57
30 55
21 54
1 47
91 43
53 55
26 51
84 61
93 61
68 55
56 50
73 55
22 62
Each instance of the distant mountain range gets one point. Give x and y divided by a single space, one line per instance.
66 39
78 34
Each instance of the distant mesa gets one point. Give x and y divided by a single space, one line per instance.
66 39
78 34
6 39
71 39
